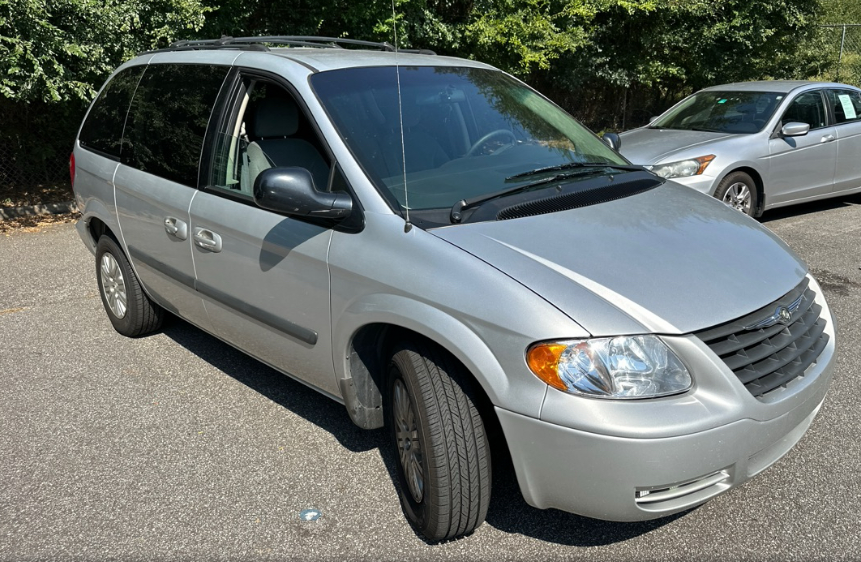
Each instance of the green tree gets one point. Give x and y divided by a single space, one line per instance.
59 50
840 11
54 55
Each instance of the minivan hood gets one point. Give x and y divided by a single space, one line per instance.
649 146
668 261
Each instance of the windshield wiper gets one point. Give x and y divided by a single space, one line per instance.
573 165
457 209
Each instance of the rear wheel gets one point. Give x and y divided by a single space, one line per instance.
443 460
738 190
130 311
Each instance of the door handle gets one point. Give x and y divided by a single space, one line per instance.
207 239
827 138
176 227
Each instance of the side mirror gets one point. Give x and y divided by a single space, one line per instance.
795 129
291 191
653 118
612 140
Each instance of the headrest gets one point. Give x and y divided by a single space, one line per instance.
384 108
276 117
412 114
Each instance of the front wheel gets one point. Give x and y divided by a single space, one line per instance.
738 190
443 459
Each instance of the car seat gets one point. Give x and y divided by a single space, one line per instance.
275 122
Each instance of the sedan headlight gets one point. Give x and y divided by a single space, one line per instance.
620 367
683 168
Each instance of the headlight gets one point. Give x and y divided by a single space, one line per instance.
620 367
683 168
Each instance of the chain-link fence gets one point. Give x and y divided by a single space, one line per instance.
35 142
21 168
842 44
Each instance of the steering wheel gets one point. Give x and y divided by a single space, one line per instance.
473 150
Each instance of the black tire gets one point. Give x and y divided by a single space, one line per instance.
738 190
139 315
453 453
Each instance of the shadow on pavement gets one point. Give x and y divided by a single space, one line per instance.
281 389
812 207
508 511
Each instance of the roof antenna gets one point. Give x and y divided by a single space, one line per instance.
407 225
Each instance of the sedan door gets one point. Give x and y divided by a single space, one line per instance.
846 108
802 167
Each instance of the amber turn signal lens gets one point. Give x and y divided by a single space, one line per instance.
543 361
704 162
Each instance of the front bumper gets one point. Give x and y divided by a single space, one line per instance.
642 460
703 184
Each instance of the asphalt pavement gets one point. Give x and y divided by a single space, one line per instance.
177 447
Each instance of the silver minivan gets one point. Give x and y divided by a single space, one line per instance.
440 248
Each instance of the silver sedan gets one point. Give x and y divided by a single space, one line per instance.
757 145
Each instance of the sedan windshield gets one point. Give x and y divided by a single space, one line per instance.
467 133
721 112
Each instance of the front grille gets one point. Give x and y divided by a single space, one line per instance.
763 352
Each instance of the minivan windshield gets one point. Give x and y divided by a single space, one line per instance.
468 133
721 112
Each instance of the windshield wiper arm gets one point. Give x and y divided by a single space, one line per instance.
573 165
576 169
458 208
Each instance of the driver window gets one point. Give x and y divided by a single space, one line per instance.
806 108
269 130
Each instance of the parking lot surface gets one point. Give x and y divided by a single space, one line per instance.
178 447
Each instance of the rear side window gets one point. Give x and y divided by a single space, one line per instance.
168 119
103 129
846 105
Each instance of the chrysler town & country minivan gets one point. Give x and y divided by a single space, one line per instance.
443 250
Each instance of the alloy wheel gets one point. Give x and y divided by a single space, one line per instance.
113 285
738 197
407 437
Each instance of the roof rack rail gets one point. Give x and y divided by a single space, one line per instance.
294 40
259 43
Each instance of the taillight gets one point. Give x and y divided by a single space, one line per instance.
72 169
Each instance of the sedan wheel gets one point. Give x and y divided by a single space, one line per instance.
738 197
738 191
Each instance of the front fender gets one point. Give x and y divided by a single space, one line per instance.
460 339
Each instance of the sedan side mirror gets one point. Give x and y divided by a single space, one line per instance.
291 191
795 129
612 140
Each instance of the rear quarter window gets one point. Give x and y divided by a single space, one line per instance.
168 119
102 130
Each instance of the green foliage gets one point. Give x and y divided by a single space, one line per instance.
61 50
689 44
54 55
840 11
607 61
